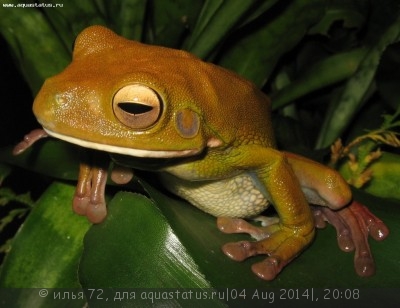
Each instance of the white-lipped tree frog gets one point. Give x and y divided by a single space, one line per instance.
214 130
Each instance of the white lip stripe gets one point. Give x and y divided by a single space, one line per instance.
122 150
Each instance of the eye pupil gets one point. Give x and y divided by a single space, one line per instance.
134 108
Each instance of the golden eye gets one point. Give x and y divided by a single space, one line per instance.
137 106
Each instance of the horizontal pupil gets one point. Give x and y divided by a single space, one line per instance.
134 108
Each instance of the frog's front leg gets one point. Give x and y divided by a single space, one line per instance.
286 239
89 197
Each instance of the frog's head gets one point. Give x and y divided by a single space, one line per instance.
125 97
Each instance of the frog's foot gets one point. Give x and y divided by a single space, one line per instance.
89 197
280 243
29 140
353 224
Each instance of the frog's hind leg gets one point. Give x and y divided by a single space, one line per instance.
321 184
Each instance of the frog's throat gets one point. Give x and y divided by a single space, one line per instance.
123 150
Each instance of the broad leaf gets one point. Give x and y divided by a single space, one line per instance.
46 251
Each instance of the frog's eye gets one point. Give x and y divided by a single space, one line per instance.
137 106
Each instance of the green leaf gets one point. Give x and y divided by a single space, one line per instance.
255 55
352 12
127 17
152 238
385 177
46 250
356 89
146 253
171 21
8 195
216 20
40 52
324 73
82 13
5 170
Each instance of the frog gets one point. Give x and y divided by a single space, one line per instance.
207 133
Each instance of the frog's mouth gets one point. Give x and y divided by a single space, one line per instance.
123 150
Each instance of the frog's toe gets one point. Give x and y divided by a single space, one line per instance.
232 225
371 223
121 175
266 220
269 268
319 218
238 225
89 196
378 230
239 251
364 264
345 238
96 212
79 204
